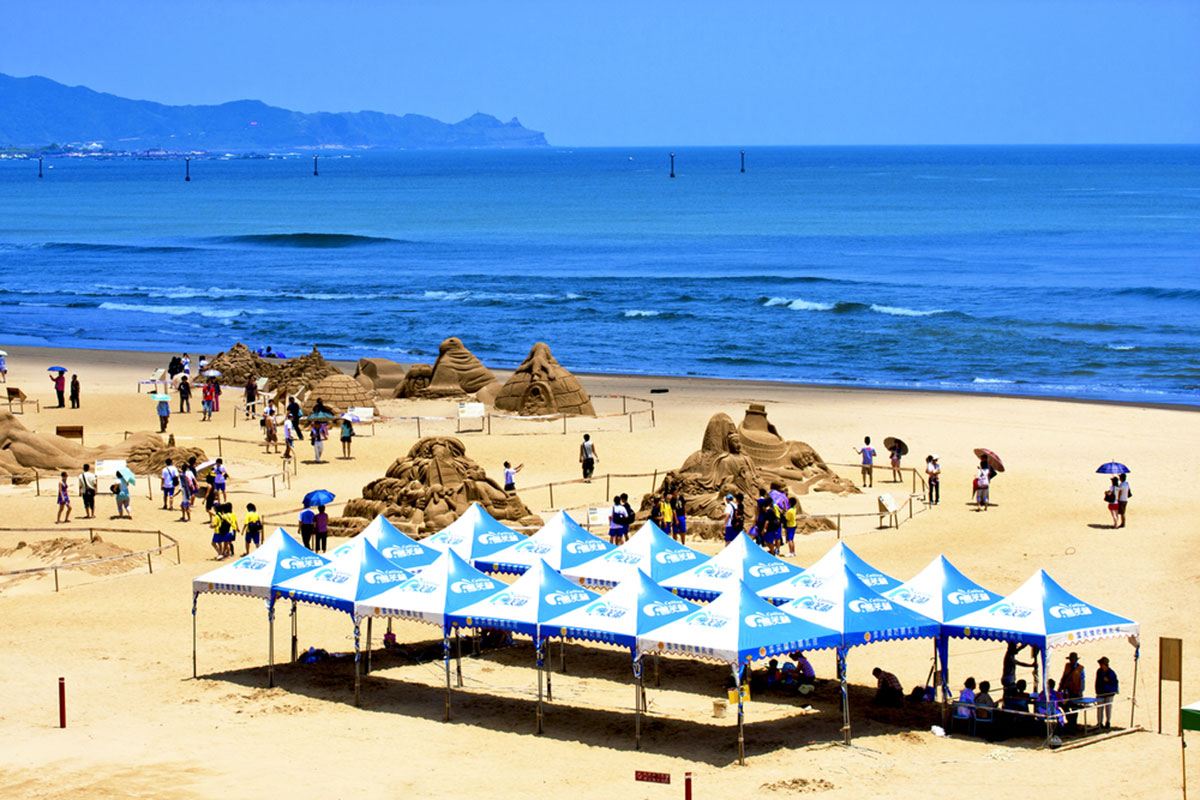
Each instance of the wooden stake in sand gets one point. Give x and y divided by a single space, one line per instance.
62 702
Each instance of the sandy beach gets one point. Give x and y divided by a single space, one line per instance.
141 726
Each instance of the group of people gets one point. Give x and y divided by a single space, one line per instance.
1116 497
669 512
59 380
314 529
620 519
226 528
775 514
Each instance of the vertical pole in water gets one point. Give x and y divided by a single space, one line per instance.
187 170
672 165
40 174
315 173
743 161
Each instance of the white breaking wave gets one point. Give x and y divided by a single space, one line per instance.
900 311
637 312
799 304
1121 347
177 311
991 381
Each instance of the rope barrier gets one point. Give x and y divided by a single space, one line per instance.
54 568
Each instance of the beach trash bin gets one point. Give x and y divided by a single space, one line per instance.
719 707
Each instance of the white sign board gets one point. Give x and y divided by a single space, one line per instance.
108 468
471 410
887 504
599 516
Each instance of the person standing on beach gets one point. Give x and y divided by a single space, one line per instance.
220 477
187 484
185 395
293 412
679 517
59 379
982 485
1110 499
616 520
251 398
868 461
270 431
186 363
1107 687
3 368
252 529
510 476
289 437
894 456
74 391
347 437
216 396
64 501
307 517
628 518
730 514
316 436
206 400
739 514
87 491
202 364
164 415
1123 495
124 502
789 524
170 479
933 475
321 531
588 457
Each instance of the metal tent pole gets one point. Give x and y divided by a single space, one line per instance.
458 659
538 644
295 638
196 595
446 662
357 671
841 667
1137 651
637 703
368 667
271 643
741 737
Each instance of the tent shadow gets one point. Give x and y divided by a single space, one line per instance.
816 720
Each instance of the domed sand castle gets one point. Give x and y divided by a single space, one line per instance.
431 487
340 393
543 386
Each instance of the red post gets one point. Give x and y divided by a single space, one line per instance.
687 786
62 702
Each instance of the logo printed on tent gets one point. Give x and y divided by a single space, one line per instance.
814 603
868 605
663 608
301 562
713 571
920 598
1068 610
675 556
766 570
706 620
622 558
494 537
394 551
585 546
377 576
961 597
809 580
566 597
470 585
331 575
1011 610
762 619
508 599
603 609
251 563
419 586
872 578
533 547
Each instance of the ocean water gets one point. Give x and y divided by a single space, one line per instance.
1041 271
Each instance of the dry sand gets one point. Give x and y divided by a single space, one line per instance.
140 725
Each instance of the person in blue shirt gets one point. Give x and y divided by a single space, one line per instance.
1107 687
868 461
308 526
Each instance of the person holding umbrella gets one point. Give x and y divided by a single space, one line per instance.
897 449
58 377
317 524
1117 495
318 431
163 410
989 465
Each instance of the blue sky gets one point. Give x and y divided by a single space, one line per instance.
656 71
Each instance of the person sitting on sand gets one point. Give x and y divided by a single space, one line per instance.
807 676
888 689
64 501
868 461
253 529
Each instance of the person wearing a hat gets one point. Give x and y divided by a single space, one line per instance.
1071 685
933 475
1106 689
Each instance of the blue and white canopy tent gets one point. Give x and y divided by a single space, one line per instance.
395 545
741 561
737 628
649 550
838 598
523 607
941 591
358 574
1040 612
280 557
562 543
431 596
474 535
634 608
831 564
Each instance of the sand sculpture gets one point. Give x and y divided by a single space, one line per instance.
543 386
23 451
415 381
297 374
380 375
734 459
239 364
431 487
340 393
458 373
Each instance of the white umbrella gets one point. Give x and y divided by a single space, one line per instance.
352 417
212 373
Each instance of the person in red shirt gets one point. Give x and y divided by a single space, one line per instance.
59 379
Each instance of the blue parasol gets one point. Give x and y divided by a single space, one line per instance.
1113 468
318 497
56 369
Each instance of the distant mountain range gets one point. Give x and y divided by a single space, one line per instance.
36 112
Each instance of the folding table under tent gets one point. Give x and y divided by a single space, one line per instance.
474 535
839 599
522 607
940 591
736 628
1040 612
281 557
358 574
562 543
431 596
649 551
396 546
636 607
741 561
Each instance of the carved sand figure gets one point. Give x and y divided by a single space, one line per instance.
297 374
415 381
340 393
380 375
458 373
734 460
239 364
543 386
22 451
431 487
